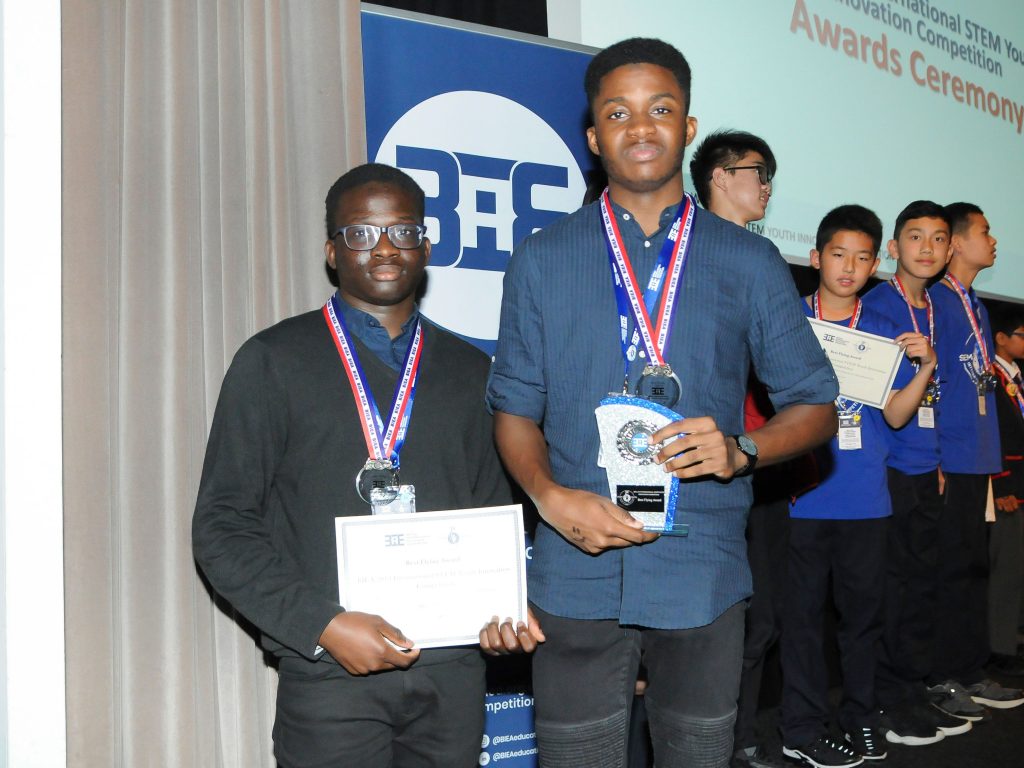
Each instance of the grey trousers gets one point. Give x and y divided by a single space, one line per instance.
583 681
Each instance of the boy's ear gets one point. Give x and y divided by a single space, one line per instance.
815 259
894 252
1001 342
874 267
718 178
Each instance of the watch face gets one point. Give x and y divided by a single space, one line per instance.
746 445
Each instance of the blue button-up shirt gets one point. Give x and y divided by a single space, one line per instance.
375 336
559 353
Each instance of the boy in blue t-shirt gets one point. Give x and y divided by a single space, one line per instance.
839 527
970 452
920 244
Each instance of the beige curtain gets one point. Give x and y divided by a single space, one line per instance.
200 137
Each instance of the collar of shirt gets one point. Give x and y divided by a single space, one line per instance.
1009 366
371 333
664 220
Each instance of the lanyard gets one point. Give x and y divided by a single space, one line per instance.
898 287
967 300
671 261
382 443
853 320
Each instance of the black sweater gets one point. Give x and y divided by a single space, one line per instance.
283 454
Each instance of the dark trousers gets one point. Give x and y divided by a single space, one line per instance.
904 662
960 647
584 678
767 551
853 552
429 716
1006 580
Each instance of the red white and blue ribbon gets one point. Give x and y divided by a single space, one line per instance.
968 302
897 285
1008 381
671 262
853 320
382 443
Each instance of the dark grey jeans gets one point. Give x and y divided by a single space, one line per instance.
583 681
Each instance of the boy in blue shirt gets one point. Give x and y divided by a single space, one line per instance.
970 452
920 244
840 526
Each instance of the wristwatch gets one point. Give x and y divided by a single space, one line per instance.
749 449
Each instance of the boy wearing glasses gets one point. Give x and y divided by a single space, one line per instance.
1006 538
290 449
732 174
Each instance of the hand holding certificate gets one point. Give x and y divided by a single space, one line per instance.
864 363
438 576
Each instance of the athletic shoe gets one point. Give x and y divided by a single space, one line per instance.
953 699
907 727
865 742
936 718
823 752
755 757
992 694
1006 664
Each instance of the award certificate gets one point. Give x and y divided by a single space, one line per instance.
865 364
437 576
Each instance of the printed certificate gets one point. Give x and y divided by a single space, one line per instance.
865 364
437 576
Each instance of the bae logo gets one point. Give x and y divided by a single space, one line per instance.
493 172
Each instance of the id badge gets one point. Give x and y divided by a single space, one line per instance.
981 405
849 432
383 502
926 417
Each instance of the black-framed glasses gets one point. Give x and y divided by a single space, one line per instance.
363 237
1018 334
763 175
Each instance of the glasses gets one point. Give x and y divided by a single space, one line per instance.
1018 334
363 237
762 171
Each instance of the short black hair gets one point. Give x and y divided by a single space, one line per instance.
1005 318
959 216
371 173
920 209
852 218
722 148
637 50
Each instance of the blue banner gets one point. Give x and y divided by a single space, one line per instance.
493 128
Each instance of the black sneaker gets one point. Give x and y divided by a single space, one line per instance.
901 726
866 743
936 718
755 757
823 752
1007 665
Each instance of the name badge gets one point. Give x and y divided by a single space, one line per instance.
981 405
849 432
926 417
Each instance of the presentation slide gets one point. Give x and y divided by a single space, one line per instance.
877 103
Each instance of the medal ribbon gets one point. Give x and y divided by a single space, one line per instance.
1007 377
671 260
845 406
381 444
968 302
898 287
853 320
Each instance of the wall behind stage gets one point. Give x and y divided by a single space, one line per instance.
491 125
879 103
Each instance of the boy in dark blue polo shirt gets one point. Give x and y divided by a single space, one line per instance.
970 452
840 526
920 244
